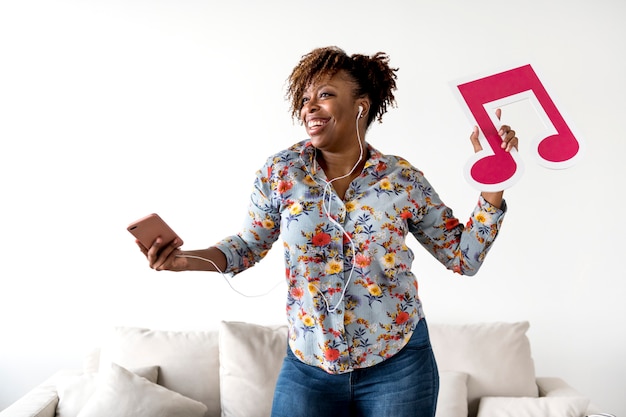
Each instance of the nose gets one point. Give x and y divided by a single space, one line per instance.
310 106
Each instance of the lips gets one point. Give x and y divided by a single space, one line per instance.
315 125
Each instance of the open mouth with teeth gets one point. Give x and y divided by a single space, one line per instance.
316 125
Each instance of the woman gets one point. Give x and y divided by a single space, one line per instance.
358 340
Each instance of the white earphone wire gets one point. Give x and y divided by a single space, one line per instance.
327 207
226 278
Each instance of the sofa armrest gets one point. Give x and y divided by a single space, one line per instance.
557 387
39 402
42 400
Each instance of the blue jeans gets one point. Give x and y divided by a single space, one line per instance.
405 385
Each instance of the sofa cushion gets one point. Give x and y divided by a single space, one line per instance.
250 359
452 401
188 360
74 391
496 356
532 407
124 394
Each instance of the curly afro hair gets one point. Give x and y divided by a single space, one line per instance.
372 76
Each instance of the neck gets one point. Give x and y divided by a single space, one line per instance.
340 164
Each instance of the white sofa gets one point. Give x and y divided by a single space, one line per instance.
486 369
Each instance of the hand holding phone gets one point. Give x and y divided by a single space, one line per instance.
148 228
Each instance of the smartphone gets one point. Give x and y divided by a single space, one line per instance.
148 228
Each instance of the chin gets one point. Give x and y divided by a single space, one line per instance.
316 141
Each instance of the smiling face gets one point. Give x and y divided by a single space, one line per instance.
329 112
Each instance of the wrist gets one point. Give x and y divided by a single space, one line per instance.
493 198
211 259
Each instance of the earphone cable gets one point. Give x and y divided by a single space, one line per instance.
217 269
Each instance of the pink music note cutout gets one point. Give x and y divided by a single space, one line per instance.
493 169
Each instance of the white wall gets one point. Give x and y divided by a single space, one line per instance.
110 110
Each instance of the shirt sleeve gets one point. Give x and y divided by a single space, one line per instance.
460 248
261 227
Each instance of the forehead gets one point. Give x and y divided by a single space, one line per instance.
340 79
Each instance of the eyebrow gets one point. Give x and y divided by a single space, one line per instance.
319 87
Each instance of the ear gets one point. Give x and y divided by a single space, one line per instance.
365 106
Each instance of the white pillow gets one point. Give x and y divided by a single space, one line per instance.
188 360
125 394
452 401
250 359
532 407
74 391
496 356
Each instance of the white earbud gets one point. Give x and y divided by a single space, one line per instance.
360 111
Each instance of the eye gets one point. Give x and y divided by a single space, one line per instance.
325 94
304 100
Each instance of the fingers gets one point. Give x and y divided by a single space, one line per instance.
165 260
474 140
153 252
159 256
509 140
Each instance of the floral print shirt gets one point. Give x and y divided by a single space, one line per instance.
352 300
